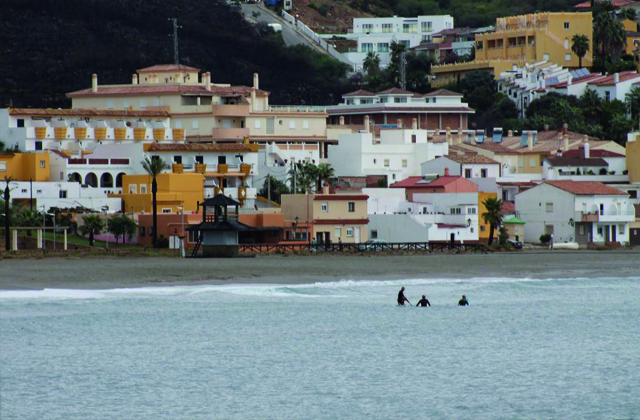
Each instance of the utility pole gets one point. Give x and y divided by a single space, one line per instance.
269 189
176 56
7 215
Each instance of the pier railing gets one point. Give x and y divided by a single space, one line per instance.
427 247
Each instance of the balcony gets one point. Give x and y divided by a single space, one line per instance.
281 109
231 110
610 214
229 133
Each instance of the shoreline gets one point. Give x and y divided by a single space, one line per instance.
129 272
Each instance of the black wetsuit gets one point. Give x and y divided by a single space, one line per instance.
424 302
401 298
463 302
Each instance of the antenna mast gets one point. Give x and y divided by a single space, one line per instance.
176 56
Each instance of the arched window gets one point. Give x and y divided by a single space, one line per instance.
119 179
106 180
75 177
91 180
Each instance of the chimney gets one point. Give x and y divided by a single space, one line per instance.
546 127
530 140
94 83
449 137
587 153
569 80
366 123
399 123
616 78
341 120
473 137
565 137
565 128
255 81
208 80
446 171
254 102
510 133
134 79
460 137
414 124
325 188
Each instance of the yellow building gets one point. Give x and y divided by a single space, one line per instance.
524 39
25 166
633 160
174 190
335 217
483 235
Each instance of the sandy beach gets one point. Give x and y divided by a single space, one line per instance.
117 272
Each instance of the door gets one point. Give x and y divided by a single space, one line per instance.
356 234
614 233
174 242
226 123
453 238
634 236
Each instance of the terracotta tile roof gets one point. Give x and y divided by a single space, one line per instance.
576 161
396 91
158 89
59 153
360 92
610 80
339 197
167 67
495 147
597 153
197 147
472 159
508 207
420 182
86 112
585 188
443 92
460 150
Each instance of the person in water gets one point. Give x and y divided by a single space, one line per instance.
401 298
424 301
463 301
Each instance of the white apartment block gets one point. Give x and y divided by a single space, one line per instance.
396 153
377 34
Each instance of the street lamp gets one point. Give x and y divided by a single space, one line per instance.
182 238
106 222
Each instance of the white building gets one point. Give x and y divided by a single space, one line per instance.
63 195
277 160
468 166
377 34
396 154
576 211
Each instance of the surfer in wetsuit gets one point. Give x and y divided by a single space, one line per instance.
463 301
401 298
424 301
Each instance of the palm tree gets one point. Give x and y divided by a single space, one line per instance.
26 217
92 225
493 215
580 46
633 98
371 64
325 171
154 167
628 13
303 177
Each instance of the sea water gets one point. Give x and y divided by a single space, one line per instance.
523 349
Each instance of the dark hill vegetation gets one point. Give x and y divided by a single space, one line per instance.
50 47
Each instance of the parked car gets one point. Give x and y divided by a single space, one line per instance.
515 244
375 245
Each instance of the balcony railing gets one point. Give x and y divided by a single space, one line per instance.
103 133
229 133
77 161
241 110
296 108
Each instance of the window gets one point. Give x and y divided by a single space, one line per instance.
545 57
383 47
401 100
193 237
150 230
471 210
256 124
374 234
109 103
387 28
414 138
350 102
566 25
607 96
324 207
195 125
3 166
404 163
601 209
143 188
352 207
350 232
520 161
483 228
632 193
467 173
126 104
24 190
386 163
337 232
483 173
532 162
366 47
200 159
292 125
600 230
165 210
222 159
426 26
133 189
549 207
367 28
305 124
406 43
142 230
62 194
621 229
567 57
143 103
384 100
455 210
20 122
38 145
566 43
582 230
177 159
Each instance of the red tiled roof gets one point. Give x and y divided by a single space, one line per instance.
339 197
59 153
443 92
585 188
508 207
167 67
420 182
396 91
158 89
472 159
576 161
445 225
597 153
86 112
196 147
360 92
584 79
609 80
341 221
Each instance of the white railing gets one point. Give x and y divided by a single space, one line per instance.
296 108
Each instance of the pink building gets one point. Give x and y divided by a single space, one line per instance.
443 184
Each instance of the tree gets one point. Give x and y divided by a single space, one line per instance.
493 215
303 177
92 225
371 64
25 217
633 100
580 46
154 167
628 13
277 189
503 236
122 225
325 171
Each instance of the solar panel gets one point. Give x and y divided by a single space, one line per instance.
480 136
524 140
497 135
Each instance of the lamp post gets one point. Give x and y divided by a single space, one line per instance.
183 236
44 225
106 222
